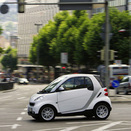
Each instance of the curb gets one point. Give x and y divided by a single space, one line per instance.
120 101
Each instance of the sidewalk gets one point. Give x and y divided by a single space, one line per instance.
119 98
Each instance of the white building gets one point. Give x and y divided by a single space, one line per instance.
120 4
34 14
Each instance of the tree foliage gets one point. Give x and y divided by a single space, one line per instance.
9 59
1 30
80 37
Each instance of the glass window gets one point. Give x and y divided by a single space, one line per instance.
69 84
100 81
74 83
125 79
88 83
78 83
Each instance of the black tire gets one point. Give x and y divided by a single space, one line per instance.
101 111
117 92
47 113
125 91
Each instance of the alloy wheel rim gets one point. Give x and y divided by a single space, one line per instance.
47 113
102 111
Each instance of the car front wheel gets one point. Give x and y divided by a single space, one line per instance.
102 111
47 113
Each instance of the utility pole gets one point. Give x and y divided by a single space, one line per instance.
126 6
107 44
38 27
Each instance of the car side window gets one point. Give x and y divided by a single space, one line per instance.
88 83
79 82
74 83
69 84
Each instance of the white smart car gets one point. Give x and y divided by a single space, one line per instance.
72 94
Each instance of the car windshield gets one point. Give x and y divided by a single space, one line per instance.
125 79
49 88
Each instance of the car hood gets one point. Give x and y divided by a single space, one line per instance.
33 97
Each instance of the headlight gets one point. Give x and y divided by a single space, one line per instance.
39 98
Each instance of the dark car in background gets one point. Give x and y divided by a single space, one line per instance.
125 85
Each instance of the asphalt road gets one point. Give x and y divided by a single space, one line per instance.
13 115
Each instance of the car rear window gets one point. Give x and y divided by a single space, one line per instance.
100 81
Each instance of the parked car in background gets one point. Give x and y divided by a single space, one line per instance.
74 94
125 85
23 81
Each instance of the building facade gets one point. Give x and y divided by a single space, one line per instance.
27 24
119 4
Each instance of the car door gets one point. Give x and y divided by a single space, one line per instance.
76 94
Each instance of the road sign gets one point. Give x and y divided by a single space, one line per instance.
75 6
115 83
118 61
64 58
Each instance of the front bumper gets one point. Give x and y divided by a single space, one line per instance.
31 112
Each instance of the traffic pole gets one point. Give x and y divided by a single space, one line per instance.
107 45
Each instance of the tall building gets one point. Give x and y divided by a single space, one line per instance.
119 4
28 24
129 5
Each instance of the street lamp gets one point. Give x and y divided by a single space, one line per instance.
38 27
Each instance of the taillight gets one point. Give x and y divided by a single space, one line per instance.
106 94
105 90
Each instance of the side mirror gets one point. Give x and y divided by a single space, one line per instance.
61 88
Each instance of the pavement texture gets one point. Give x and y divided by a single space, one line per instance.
119 98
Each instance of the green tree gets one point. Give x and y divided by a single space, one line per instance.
44 41
120 41
92 40
1 50
9 59
80 37
1 30
70 37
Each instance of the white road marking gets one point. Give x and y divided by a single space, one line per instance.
15 126
25 109
87 122
21 98
22 113
70 128
120 129
19 119
5 125
107 126
50 129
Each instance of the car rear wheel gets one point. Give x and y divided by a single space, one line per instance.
102 111
47 113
